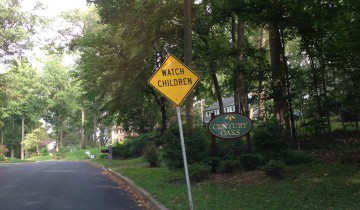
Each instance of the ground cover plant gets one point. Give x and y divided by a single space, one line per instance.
310 186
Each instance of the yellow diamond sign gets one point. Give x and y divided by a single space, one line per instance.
174 80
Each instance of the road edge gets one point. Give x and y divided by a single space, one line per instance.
154 204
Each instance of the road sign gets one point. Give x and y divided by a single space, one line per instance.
230 126
174 80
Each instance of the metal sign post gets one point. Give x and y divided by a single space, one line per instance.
175 81
184 157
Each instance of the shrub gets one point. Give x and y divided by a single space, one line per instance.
103 156
274 168
296 158
58 155
197 146
3 150
250 161
2 158
270 139
133 147
230 166
199 172
44 151
230 148
214 163
152 155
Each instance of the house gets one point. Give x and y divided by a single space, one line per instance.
229 106
119 134
50 145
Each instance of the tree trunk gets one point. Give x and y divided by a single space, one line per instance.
286 69
278 77
2 136
217 90
316 91
101 136
188 59
95 125
240 95
82 142
163 115
13 138
22 136
262 93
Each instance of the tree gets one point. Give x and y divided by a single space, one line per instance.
33 140
17 27
61 97
23 95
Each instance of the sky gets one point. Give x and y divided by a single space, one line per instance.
55 7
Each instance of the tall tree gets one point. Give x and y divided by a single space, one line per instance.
62 95
17 26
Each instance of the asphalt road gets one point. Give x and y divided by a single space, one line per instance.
60 185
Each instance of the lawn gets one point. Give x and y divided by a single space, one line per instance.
313 186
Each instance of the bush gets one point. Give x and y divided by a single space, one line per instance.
230 166
197 146
44 151
270 139
2 158
58 155
103 156
274 168
230 148
250 161
296 158
199 172
132 146
152 155
214 163
3 150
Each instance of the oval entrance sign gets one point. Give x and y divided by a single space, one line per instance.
230 125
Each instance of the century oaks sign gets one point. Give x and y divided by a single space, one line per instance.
230 125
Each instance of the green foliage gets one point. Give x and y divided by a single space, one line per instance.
270 139
274 168
132 147
152 155
58 155
214 163
230 148
103 156
250 161
230 166
3 150
2 158
199 171
197 146
44 151
17 28
296 158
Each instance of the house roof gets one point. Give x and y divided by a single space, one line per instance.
226 101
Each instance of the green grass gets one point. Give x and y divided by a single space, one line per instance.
15 160
314 186
135 162
75 155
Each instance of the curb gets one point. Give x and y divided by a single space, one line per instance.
146 196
